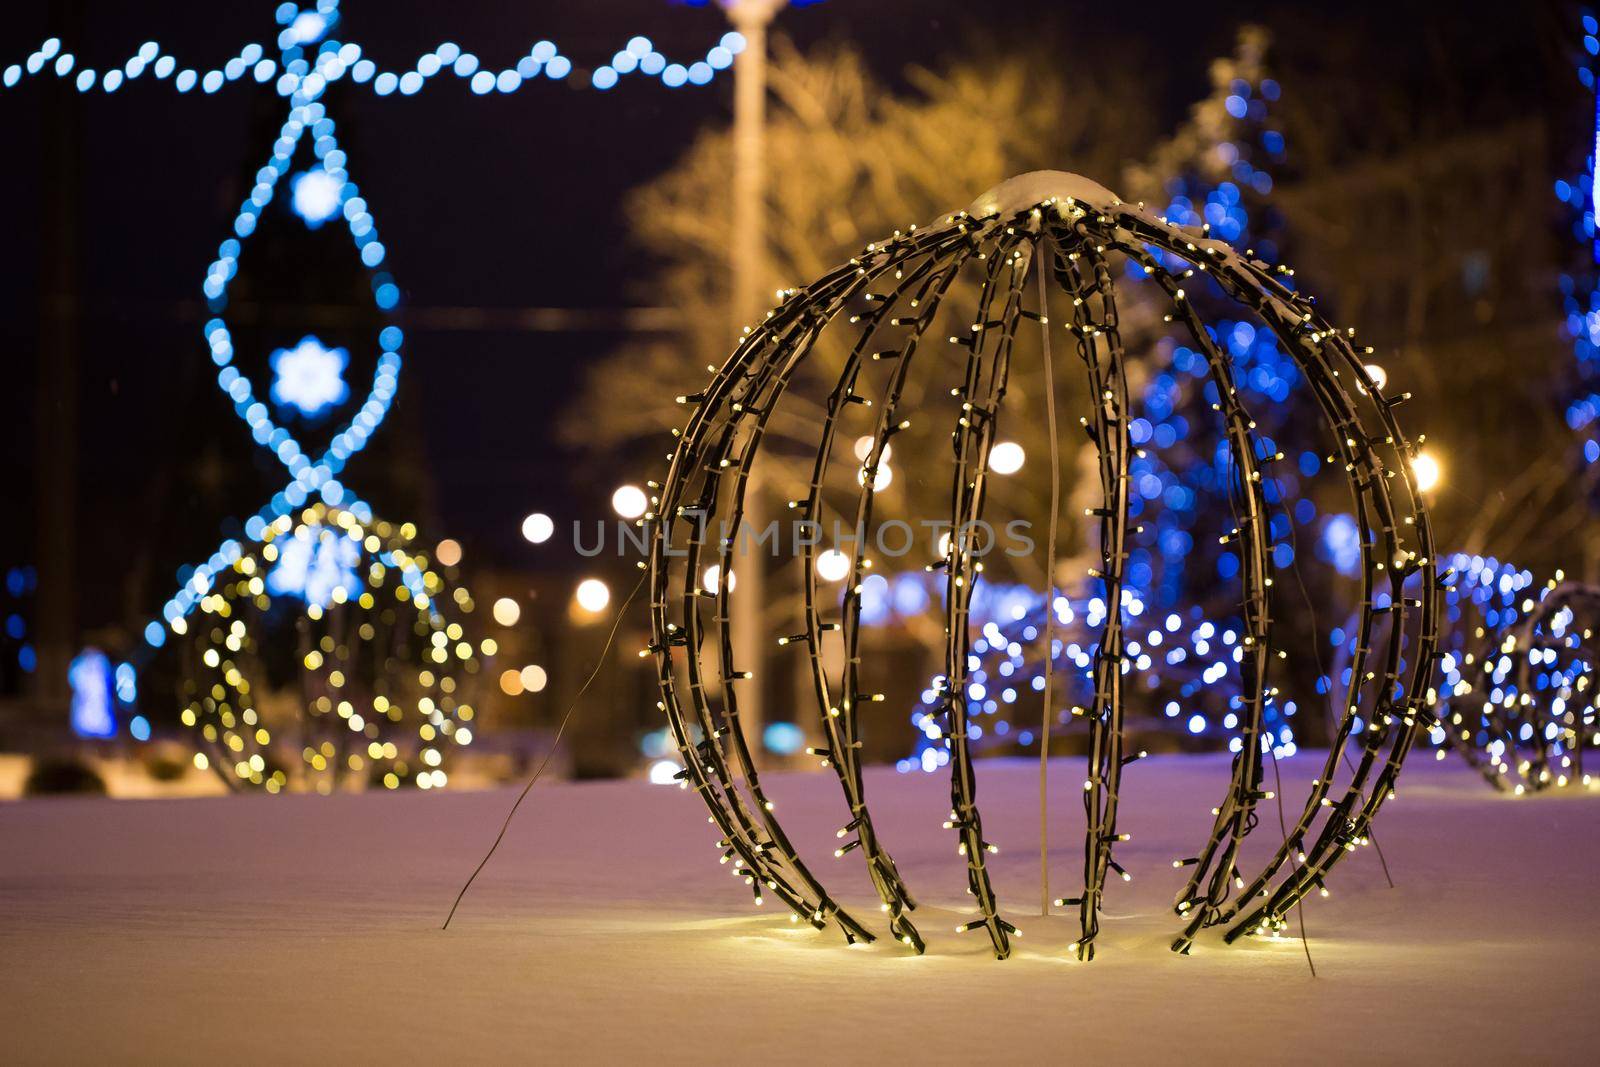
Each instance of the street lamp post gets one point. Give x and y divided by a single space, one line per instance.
747 263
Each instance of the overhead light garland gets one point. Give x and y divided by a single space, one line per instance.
307 76
884 301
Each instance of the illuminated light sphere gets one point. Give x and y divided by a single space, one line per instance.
309 376
506 611
592 595
511 683
664 772
630 501
1379 376
959 303
448 552
712 579
1516 653
1006 457
833 565
534 678
538 527
1427 471
315 196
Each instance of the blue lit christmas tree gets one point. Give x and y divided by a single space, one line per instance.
1181 606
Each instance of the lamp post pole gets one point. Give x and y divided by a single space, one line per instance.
747 268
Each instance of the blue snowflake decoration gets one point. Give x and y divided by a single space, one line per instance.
309 376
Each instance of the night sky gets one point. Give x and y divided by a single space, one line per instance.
498 202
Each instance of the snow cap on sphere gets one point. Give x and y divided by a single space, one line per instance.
1025 191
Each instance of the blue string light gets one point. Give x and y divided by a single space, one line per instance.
1181 659
297 76
309 377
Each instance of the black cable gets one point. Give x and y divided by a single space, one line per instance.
599 665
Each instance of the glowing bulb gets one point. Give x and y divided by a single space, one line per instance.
1427 471
833 565
593 595
1006 457
533 678
663 772
507 611
1379 376
538 527
511 683
630 501
712 579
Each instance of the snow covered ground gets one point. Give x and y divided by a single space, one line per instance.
306 929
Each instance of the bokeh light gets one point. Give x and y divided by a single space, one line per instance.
533 678
630 501
593 595
833 565
507 611
538 527
1006 457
